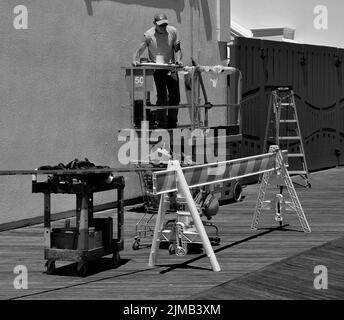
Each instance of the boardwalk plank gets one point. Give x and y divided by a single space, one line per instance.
291 278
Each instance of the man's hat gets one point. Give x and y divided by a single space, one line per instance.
160 19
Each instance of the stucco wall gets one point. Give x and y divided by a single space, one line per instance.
62 89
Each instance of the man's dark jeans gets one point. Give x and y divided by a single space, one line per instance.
167 81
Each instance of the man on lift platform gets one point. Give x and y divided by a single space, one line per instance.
163 46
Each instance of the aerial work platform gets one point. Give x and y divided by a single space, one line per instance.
210 140
140 84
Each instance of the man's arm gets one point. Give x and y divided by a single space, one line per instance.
142 47
177 49
179 54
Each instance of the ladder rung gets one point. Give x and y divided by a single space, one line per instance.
297 172
285 104
295 155
290 138
288 121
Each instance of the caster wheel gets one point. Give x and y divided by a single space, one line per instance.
116 259
79 269
171 249
136 245
50 267
181 252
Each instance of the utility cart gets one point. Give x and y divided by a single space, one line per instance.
91 238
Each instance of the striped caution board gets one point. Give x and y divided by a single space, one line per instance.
201 175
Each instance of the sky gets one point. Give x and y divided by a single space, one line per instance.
296 14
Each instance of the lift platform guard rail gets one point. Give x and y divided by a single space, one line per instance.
139 79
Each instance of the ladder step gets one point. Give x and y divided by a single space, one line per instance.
297 172
290 138
288 121
295 155
285 104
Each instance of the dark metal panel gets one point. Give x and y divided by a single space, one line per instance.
316 74
339 64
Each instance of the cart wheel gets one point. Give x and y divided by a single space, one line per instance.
172 249
79 269
237 192
50 267
136 244
116 259
181 251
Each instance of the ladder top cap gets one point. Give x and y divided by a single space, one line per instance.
279 87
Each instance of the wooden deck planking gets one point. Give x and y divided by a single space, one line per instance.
241 251
291 278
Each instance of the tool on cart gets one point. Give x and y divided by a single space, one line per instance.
91 237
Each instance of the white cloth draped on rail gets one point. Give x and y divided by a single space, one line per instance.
214 71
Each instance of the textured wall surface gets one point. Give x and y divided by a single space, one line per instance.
62 89
316 75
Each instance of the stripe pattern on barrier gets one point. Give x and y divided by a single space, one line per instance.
196 176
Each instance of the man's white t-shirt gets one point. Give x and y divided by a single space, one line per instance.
164 44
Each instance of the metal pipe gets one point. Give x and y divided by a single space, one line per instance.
191 31
132 94
218 20
144 95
